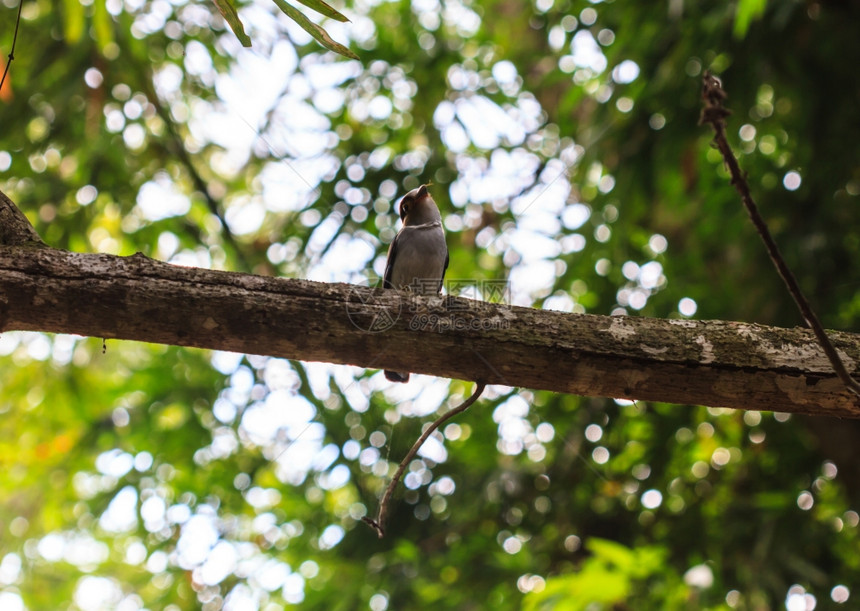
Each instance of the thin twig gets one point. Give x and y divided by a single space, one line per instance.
379 523
715 114
14 40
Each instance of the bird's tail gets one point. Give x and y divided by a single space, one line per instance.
396 376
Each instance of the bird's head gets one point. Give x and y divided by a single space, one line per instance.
417 207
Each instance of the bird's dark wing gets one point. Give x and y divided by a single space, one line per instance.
444 269
389 264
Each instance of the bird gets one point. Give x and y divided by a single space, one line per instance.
418 255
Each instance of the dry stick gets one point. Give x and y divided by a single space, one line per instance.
14 40
379 523
715 114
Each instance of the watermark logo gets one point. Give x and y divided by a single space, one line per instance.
493 291
367 311
453 322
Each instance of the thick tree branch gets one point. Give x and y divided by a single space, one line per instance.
714 363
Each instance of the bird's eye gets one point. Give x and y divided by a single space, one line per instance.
404 209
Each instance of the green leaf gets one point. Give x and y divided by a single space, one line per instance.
228 11
314 30
748 10
612 552
595 583
102 24
73 20
326 9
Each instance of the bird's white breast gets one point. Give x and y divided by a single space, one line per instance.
420 261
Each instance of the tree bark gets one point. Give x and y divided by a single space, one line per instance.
714 363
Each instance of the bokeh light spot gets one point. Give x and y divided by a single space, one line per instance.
791 181
687 306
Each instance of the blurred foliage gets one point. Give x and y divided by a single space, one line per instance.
561 139
231 16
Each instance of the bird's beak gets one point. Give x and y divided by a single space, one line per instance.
422 191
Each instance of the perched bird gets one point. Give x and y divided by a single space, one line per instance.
418 256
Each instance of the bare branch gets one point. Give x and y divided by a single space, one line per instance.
382 514
715 114
14 40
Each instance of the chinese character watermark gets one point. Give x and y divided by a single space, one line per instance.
368 311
